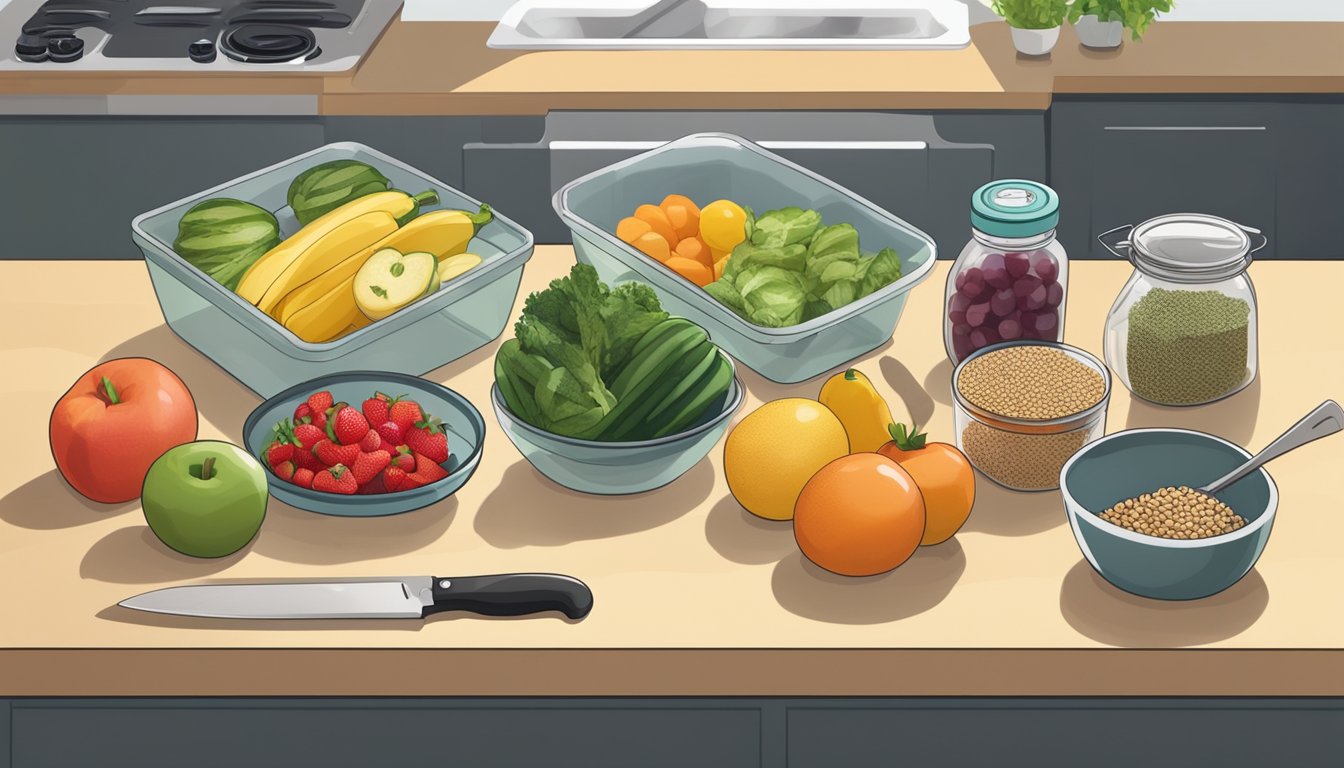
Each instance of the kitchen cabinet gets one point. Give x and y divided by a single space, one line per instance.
707 732
1117 163
922 167
1311 186
73 185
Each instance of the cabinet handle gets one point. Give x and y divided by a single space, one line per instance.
1185 128
646 145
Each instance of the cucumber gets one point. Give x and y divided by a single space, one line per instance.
656 332
705 354
326 187
670 345
634 424
223 237
691 407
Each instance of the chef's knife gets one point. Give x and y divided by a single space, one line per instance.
415 597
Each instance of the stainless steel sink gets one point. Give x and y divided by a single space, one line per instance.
733 24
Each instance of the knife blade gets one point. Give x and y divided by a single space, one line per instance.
413 597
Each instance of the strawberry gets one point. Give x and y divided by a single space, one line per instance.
405 413
303 414
303 477
395 480
428 437
284 470
337 479
319 401
279 452
307 436
368 465
372 441
427 470
403 459
304 458
376 407
392 435
318 419
376 485
347 426
331 454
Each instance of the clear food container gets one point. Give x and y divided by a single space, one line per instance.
1183 329
1015 451
1012 279
465 314
711 166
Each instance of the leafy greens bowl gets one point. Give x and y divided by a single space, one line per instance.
711 166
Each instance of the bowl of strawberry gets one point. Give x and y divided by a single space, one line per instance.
366 444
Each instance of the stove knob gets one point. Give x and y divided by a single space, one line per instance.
65 49
31 48
202 51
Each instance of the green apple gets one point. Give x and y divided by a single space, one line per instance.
205 499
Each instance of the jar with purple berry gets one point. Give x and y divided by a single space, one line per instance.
1010 281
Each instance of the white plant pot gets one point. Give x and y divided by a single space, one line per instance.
1094 33
1035 42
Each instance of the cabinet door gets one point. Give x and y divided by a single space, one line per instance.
1311 181
390 735
73 185
1117 164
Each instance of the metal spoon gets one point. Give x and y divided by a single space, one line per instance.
1326 419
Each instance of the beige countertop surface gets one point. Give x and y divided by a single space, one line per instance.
445 68
694 596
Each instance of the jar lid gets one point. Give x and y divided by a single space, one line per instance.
1191 247
1014 208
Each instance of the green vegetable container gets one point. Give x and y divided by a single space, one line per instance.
1183 329
710 166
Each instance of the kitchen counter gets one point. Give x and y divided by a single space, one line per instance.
693 595
462 76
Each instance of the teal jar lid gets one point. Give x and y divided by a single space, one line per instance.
1014 208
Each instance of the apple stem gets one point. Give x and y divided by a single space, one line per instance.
111 391
208 468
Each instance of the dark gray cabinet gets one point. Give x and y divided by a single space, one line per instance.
922 167
73 185
1117 163
672 732
1311 180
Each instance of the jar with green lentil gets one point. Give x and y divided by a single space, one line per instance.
1022 409
1183 329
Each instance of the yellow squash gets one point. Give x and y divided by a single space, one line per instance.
866 416
274 274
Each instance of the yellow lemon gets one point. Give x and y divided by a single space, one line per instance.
772 453
723 225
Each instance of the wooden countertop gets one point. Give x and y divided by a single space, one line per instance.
693 595
445 68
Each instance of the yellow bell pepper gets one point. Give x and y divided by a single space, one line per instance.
863 412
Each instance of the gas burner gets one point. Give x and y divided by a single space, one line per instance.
268 43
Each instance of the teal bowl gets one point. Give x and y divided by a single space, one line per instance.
1137 461
461 421
617 469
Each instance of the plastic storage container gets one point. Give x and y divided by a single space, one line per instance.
1183 329
1019 453
711 166
1012 279
467 313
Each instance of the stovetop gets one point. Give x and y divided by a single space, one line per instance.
193 35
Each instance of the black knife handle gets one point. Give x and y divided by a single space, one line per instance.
512 594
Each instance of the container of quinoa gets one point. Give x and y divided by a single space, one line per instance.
1023 408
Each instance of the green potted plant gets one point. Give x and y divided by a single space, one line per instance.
1035 23
1101 23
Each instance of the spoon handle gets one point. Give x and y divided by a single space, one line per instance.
1326 419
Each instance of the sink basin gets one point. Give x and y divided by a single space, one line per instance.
733 24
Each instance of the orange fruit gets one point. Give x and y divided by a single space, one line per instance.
860 515
723 225
770 455
630 229
657 221
946 481
654 246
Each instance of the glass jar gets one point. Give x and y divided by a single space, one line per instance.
1183 329
1011 280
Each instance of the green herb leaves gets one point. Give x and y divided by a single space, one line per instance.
1136 15
1032 14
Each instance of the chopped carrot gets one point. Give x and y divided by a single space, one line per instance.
657 221
717 255
694 248
654 246
630 229
683 201
684 223
691 270
718 268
